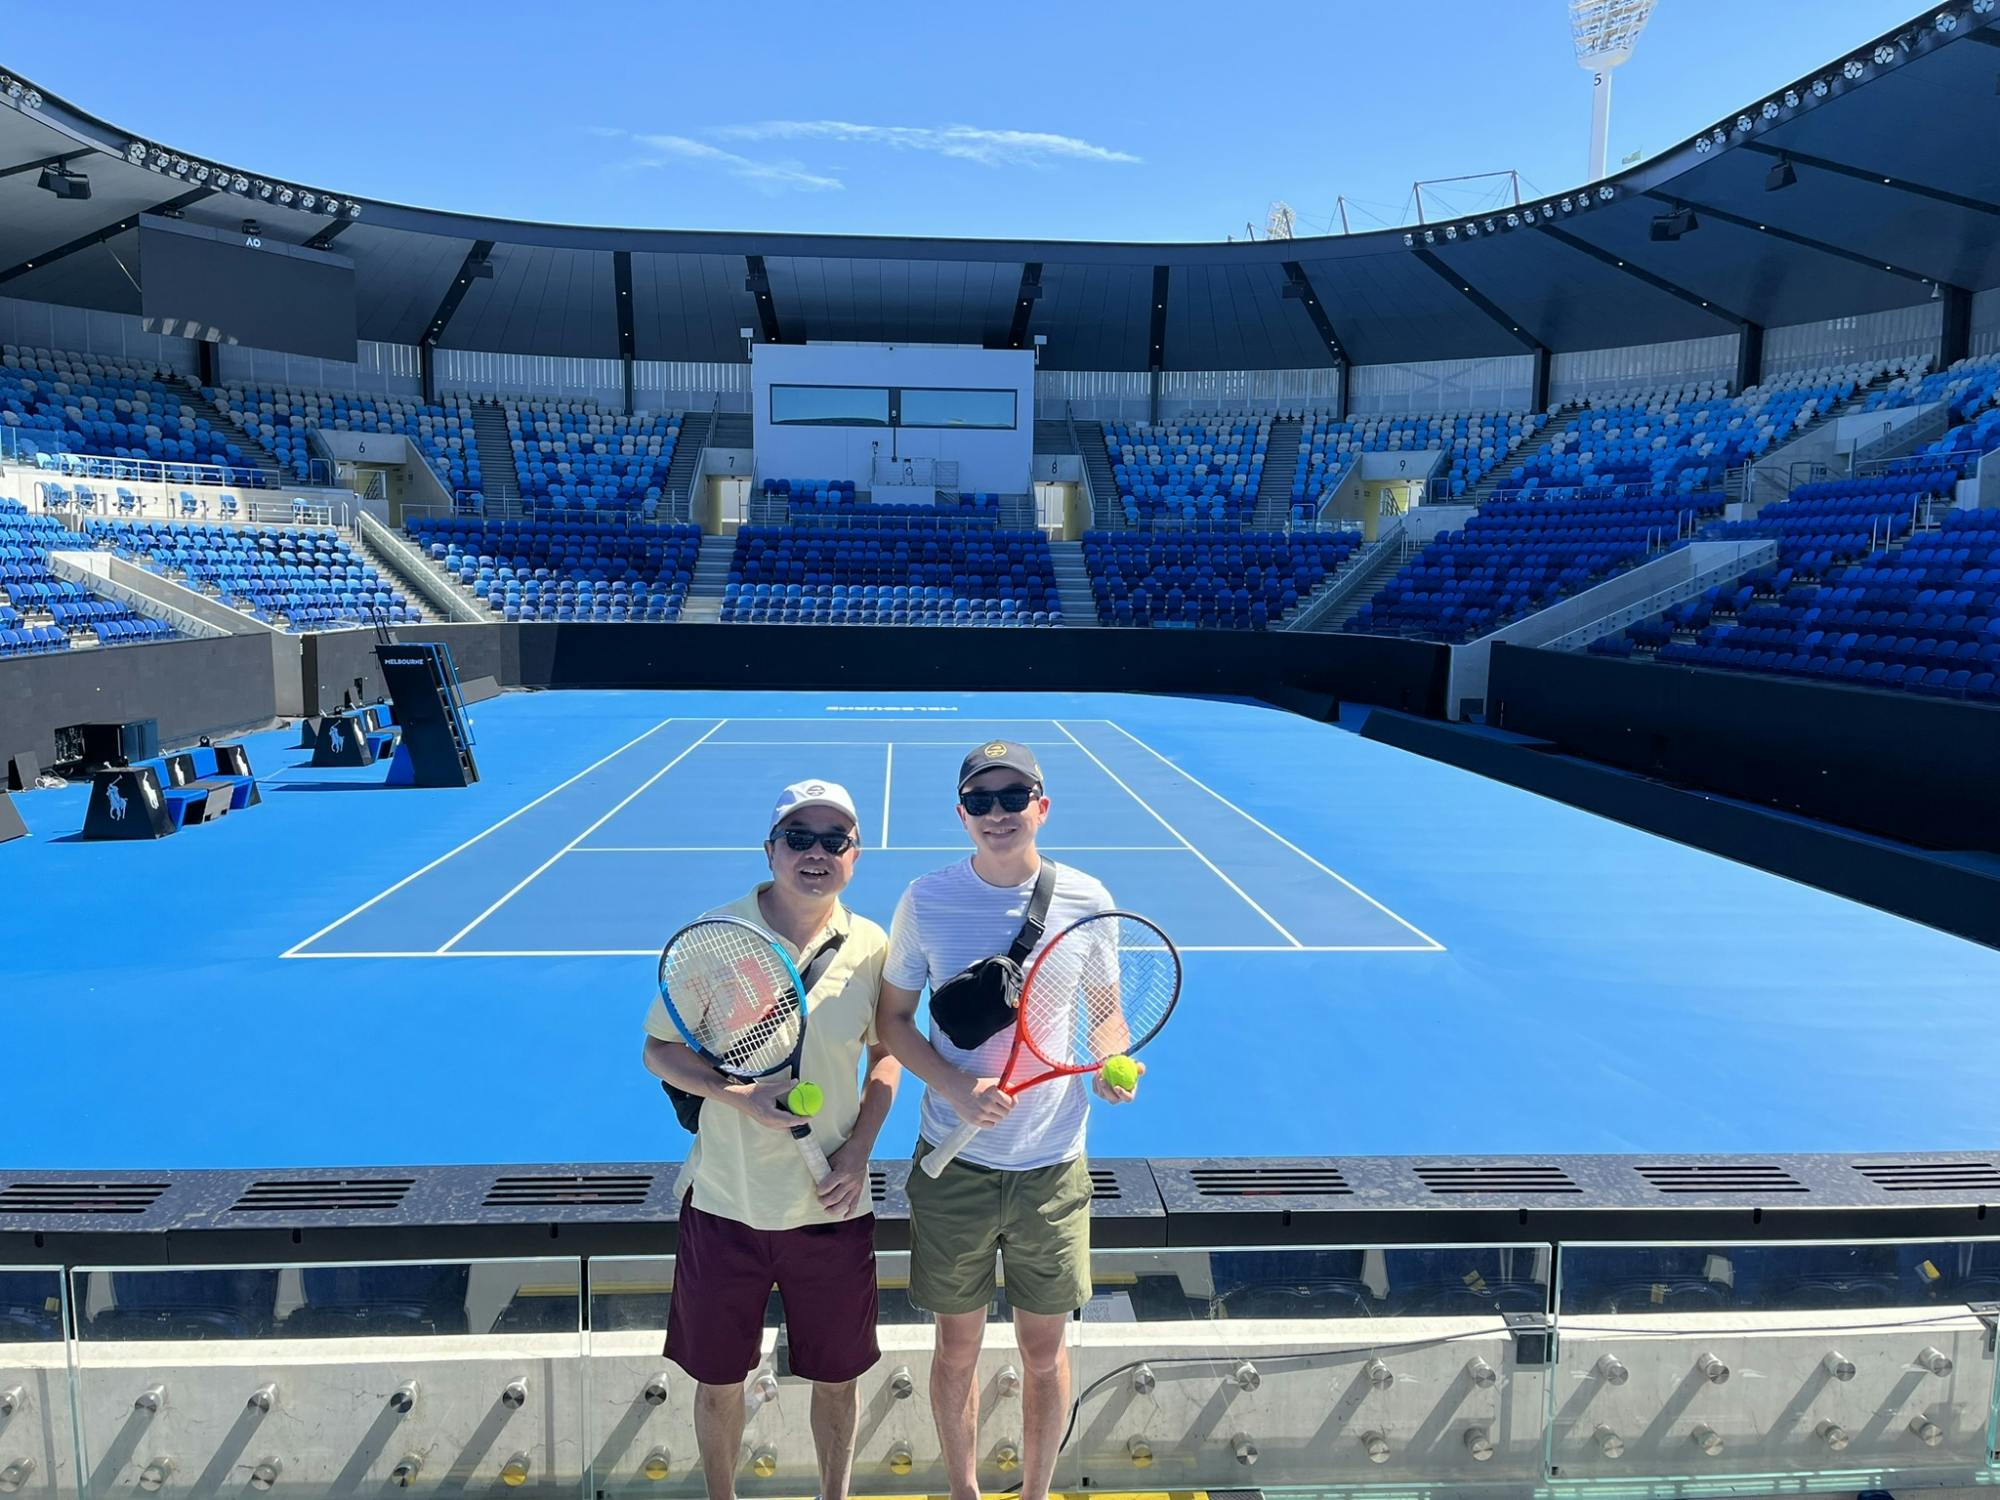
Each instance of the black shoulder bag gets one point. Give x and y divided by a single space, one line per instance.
978 1003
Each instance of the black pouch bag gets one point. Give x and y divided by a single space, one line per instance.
978 1003
687 1107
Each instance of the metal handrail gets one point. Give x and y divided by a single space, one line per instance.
1747 558
417 570
1347 583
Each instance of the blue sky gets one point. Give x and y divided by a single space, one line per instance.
1167 120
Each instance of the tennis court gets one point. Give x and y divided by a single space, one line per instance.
1384 954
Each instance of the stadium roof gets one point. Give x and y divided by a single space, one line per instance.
1895 196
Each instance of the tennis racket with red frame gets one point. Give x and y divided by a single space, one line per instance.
1102 988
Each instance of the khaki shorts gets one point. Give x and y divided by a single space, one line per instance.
1038 1220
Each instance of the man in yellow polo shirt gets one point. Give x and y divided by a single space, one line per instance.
751 1217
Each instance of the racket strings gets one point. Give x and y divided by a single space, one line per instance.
1103 988
733 993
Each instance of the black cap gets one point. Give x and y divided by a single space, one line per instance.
1015 757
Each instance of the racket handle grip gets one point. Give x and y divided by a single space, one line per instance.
936 1161
816 1161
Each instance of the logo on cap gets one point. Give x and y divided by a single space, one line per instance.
995 750
815 789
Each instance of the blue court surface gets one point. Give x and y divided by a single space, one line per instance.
1385 954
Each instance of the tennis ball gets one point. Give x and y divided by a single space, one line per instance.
805 1099
1121 1073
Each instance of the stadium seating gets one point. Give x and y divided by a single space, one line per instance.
28 589
1473 443
576 458
299 578
1968 386
921 572
1845 601
59 403
279 421
1517 556
1190 469
1247 580
566 570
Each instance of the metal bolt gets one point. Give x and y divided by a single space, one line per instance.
1246 1377
408 1467
514 1472
1833 1435
1479 1443
515 1396
1143 1381
266 1474
151 1400
1609 1443
1926 1431
1009 1382
655 1393
403 1399
1140 1452
1611 1369
764 1389
1936 1361
656 1465
1244 1449
1380 1376
764 1463
901 1460
1838 1365
1007 1457
12 1399
263 1399
1376 1447
155 1475
1480 1373
1707 1439
902 1385
1713 1370
16 1474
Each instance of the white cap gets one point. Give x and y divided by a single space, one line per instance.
803 794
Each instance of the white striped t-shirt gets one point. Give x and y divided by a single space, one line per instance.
947 921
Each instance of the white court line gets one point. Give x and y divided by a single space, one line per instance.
1435 945
536 873
293 951
865 743
965 849
888 773
1182 837
655 952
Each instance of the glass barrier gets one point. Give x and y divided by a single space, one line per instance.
37 1445
330 1378
1690 1362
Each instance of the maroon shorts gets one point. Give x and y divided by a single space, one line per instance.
723 1277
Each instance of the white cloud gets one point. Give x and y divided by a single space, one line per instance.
766 176
991 148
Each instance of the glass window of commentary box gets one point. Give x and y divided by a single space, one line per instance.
830 405
927 407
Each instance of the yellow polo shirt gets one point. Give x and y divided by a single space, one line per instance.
748 1172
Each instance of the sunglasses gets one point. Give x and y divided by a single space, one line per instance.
798 840
1012 799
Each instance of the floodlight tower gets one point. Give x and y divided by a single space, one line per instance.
1282 223
1605 31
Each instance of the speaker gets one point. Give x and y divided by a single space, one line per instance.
11 826
22 771
92 747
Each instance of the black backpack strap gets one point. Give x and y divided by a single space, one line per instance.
1036 924
822 960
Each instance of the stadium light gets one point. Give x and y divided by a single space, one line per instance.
1604 32
1783 175
63 183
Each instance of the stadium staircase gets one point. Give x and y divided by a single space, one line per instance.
703 604
399 567
265 461
1079 605
1054 436
686 467
1107 513
500 482
731 429
1497 476
1339 599
1273 511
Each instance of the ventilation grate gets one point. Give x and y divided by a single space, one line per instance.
1720 1177
1104 1185
878 1185
283 1195
79 1197
592 1190
1931 1176
1268 1182
1518 1179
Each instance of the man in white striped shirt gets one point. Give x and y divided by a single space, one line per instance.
1021 1189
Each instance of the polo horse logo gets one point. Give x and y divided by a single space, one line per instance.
115 801
147 790
335 741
